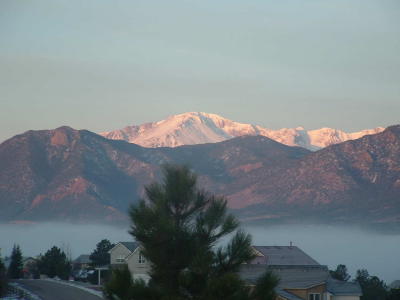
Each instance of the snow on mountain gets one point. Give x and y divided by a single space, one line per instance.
199 128
324 137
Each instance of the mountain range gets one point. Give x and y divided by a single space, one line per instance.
198 128
77 175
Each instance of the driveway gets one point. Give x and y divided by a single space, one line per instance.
50 290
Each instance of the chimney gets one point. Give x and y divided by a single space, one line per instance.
291 244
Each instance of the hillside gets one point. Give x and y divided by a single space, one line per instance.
357 180
71 175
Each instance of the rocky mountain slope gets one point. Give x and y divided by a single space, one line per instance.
199 128
78 175
65 174
358 180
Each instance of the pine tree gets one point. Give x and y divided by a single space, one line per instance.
100 255
55 263
340 273
372 287
15 269
179 227
265 287
3 278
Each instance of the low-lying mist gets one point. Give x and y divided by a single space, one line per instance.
332 245
76 239
329 245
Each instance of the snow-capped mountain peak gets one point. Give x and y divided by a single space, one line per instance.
199 128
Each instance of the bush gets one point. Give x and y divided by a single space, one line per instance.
3 279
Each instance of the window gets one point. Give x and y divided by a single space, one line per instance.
120 259
314 296
142 260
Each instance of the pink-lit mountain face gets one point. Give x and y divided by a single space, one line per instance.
71 175
199 128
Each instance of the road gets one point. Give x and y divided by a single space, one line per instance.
49 290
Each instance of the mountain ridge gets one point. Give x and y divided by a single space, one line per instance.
77 175
199 127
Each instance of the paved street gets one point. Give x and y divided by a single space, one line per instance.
49 290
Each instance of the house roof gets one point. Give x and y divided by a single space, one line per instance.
291 277
83 259
130 245
250 273
341 288
287 295
300 277
25 259
7 260
285 255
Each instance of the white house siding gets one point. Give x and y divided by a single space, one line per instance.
145 277
138 270
117 252
333 297
326 296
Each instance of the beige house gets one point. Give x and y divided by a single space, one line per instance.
301 277
129 253
81 262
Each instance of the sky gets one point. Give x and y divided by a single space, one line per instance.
102 64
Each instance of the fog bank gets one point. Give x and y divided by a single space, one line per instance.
332 245
329 245
77 238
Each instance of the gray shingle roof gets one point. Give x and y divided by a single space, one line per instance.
130 245
285 255
83 259
300 277
250 273
291 277
341 288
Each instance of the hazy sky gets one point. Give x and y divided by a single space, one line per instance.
104 64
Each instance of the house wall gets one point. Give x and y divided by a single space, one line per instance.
29 262
345 297
116 252
137 269
303 293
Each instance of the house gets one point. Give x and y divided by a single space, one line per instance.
129 253
26 261
343 290
83 261
301 277
282 256
30 267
